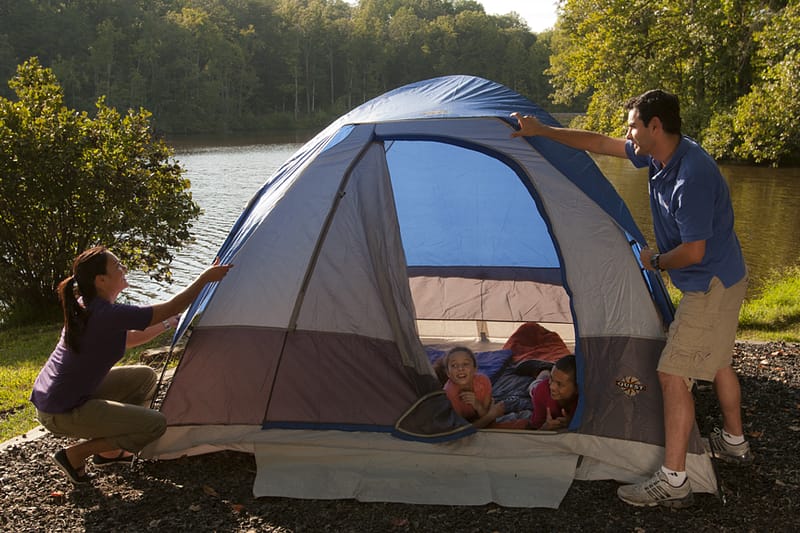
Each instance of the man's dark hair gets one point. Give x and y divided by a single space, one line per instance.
661 104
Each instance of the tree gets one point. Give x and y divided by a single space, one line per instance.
762 127
733 64
69 181
210 66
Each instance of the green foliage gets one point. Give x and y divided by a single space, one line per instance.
221 66
675 294
23 352
766 118
69 181
772 313
734 66
763 126
720 138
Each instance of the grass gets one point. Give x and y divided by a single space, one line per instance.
772 314
23 352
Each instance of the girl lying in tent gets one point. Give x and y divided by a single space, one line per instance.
470 392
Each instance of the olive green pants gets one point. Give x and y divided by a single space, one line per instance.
117 411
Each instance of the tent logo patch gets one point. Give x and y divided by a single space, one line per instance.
631 386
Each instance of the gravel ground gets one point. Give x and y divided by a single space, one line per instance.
213 492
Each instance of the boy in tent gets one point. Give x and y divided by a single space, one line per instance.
555 398
469 391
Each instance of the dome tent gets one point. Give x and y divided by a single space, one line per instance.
417 217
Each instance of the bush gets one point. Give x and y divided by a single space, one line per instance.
69 181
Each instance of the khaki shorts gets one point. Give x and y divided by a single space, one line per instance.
701 338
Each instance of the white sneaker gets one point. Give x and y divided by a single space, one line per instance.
657 491
739 454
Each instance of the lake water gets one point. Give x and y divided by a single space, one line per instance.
766 207
225 177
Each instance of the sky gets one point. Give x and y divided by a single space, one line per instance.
539 14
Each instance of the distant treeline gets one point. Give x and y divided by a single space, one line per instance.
237 65
245 65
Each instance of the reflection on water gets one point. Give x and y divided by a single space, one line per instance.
225 177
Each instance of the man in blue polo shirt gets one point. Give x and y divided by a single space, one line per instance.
693 222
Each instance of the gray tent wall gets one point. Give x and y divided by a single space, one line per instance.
315 328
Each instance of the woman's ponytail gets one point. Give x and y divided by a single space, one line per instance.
74 313
85 268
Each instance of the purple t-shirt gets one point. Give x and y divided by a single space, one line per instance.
69 379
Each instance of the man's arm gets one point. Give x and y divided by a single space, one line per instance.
683 255
579 139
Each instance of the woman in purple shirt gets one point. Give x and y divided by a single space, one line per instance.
79 393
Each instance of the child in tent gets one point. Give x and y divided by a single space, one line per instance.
555 398
468 391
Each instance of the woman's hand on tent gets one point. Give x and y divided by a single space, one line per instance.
216 271
528 126
172 322
163 312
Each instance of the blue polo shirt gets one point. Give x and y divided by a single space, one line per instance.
690 201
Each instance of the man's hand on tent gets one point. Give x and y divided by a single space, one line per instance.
645 254
528 126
